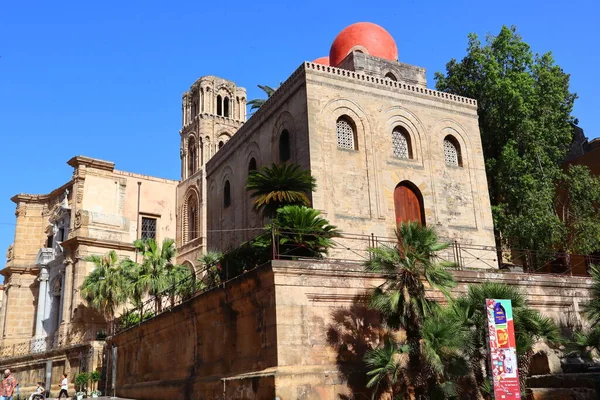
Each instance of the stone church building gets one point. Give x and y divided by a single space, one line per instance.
99 209
382 146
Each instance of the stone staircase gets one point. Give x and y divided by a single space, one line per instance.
581 386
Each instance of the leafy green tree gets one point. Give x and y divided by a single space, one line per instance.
524 107
578 206
104 288
402 300
530 327
255 104
302 232
279 185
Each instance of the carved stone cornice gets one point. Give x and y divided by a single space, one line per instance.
72 244
87 162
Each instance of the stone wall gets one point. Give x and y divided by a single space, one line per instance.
48 367
296 330
183 354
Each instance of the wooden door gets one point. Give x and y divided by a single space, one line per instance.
408 204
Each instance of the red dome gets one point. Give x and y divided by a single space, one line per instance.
366 37
322 60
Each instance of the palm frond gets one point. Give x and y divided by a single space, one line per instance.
279 185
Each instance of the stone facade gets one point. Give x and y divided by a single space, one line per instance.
98 210
363 133
213 110
289 330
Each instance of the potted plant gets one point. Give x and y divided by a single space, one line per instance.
101 335
95 377
81 381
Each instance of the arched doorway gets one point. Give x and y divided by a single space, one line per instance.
408 203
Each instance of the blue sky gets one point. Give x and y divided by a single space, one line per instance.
104 79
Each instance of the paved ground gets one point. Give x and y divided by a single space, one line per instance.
99 398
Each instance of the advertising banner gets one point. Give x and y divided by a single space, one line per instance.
503 349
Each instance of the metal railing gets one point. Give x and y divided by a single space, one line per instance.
355 248
45 344
352 248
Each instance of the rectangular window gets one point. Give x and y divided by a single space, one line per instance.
50 241
148 228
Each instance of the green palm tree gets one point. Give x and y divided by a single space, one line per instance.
104 289
302 232
133 288
280 185
153 276
530 326
255 104
592 309
584 342
211 265
387 365
401 299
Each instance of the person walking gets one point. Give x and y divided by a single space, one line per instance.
9 383
64 386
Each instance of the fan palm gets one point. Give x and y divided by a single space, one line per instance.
104 288
592 309
585 341
211 265
255 104
401 299
154 269
302 232
386 368
280 185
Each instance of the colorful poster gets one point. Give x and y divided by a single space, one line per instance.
503 351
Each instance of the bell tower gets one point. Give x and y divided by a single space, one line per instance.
213 109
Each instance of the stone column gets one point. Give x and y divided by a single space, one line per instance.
42 300
61 304
67 292
4 311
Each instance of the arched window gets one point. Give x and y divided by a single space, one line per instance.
284 146
201 100
226 107
227 195
401 145
219 105
192 221
221 144
191 217
346 133
452 153
252 165
391 76
192 166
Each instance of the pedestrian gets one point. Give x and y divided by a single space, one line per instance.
64 386
9 383
39 392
